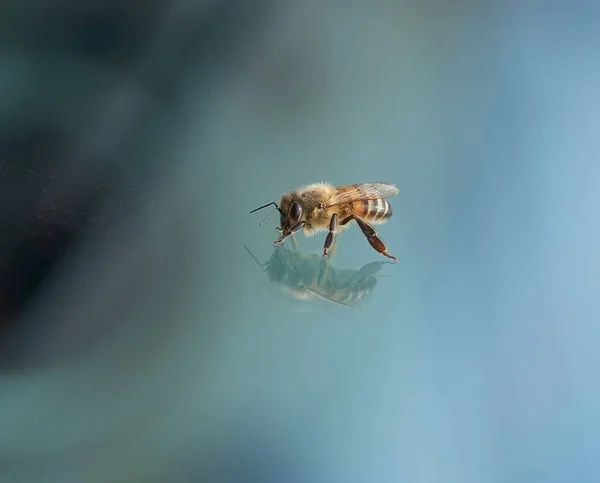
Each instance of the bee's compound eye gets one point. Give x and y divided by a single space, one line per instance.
295 212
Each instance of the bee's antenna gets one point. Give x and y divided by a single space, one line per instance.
268 204
269 215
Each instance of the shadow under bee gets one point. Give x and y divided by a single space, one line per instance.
308 276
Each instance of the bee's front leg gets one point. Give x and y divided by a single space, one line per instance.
331 235
287 232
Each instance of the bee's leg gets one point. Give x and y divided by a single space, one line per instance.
286 233
371 235
333 249
331 235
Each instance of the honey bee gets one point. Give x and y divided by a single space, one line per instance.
323 207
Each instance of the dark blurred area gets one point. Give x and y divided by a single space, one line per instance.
85 92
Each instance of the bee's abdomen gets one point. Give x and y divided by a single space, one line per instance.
373 210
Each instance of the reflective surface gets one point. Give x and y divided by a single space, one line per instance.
309 276
141 341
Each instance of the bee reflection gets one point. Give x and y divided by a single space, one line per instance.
308 276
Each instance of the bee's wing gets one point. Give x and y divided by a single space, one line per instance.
360 191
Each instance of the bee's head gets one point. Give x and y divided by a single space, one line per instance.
291 212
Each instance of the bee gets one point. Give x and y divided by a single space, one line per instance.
323 207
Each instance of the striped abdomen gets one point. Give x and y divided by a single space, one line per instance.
373 210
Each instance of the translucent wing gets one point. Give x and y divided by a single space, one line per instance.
361 191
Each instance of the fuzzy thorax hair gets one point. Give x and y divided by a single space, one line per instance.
310 197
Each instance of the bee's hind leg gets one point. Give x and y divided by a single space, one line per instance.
330 235
371 235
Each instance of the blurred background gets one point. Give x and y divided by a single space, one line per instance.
141 342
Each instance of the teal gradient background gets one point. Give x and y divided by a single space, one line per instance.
474 360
